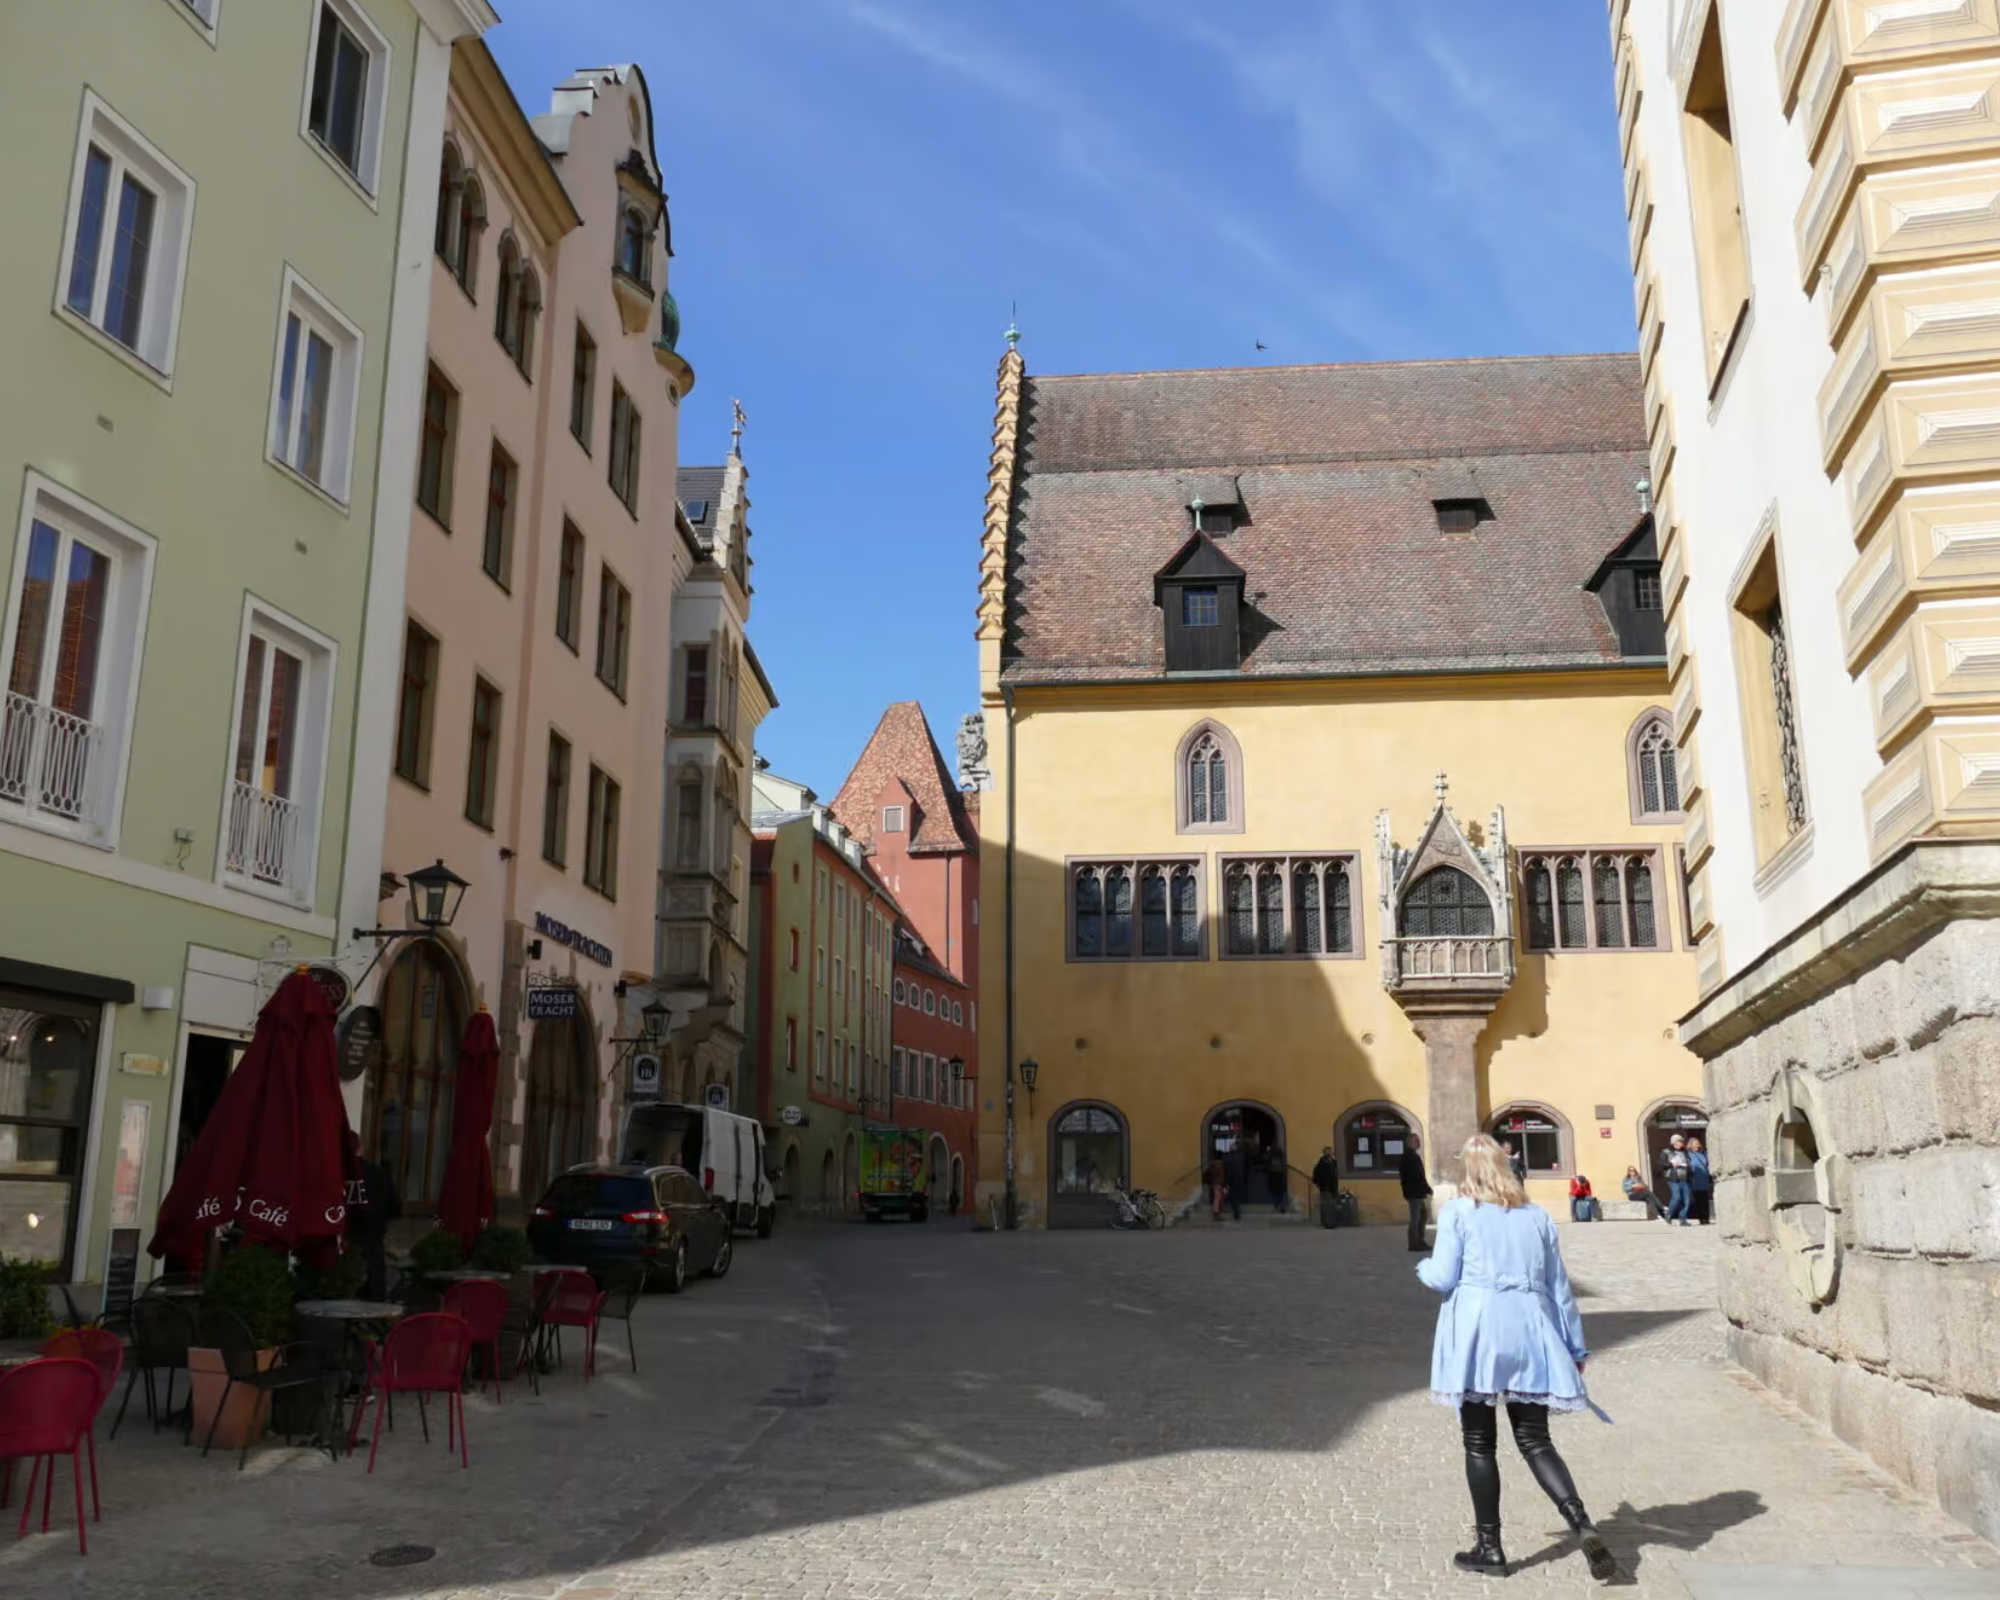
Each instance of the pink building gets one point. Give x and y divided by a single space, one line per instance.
531 721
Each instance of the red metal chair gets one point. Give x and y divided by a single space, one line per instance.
423 1355
105 1352
46 1409
575 1304
482 1305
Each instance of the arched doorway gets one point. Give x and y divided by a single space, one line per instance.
559 1123
1089 1156
1656 1132
1249 1136
937 1175
829 1186
1539 1134
850 1176
406 1105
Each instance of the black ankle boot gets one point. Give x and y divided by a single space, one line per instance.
1485 1556
1591 1542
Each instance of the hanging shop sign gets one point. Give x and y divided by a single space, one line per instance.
553 1002
792 1117
718 1096
645 1088
563 933
333 984
359 1041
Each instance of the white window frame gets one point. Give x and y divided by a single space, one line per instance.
204 16
127 602
365 181
320 656
892 819
930 1002
319 315
166 261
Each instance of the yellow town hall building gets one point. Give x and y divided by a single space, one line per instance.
1334 787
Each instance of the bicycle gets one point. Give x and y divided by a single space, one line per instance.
1138 1208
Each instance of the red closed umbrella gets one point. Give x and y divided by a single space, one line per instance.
465 1197
271 1156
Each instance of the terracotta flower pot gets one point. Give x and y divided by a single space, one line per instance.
244 1418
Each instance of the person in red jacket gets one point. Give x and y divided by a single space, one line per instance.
1582 1206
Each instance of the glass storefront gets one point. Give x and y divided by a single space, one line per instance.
48 1062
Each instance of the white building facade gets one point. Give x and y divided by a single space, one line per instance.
1813 191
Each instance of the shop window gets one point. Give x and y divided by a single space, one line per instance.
1372 1141
1538 1136
48 1062
1087 1150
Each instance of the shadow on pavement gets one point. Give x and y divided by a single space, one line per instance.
1630 1532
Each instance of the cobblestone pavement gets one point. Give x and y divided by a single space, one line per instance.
908 1414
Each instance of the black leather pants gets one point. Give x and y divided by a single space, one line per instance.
1481 1426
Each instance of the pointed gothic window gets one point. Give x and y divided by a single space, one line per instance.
1589 900
1208 781
1135 910
1655 769
1446 904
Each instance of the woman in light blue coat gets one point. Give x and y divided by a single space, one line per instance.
1509 1333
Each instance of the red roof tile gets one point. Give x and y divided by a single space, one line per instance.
901 747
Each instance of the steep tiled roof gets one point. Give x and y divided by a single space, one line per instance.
700 487
1337 468
902 747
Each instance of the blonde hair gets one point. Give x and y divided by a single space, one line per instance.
1489 1179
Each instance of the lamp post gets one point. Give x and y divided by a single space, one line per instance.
1029 1068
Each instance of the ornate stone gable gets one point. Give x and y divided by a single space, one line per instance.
1444 843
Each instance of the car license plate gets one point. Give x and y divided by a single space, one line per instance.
590 1224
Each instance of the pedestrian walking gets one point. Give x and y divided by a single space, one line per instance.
1326 1179
1516 1162
1509 1331
1582 1204
1217 1180
1416 1188
1701 1183
1679 1195
1635 1189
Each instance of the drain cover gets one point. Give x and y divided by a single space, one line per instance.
401 1555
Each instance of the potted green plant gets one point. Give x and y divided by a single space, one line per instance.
24 1298
501 1249
343 1278
437 1251
255 1284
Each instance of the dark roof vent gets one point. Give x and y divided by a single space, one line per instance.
1461 516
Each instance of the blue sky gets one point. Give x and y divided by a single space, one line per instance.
861 190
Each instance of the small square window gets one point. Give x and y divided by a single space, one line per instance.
346 90
1461 516
697 510
124 259
1200 608
1647 587
315 390
892 819
202 13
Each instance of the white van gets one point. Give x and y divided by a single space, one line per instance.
724 1151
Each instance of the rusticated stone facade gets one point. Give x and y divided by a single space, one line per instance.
1856 1140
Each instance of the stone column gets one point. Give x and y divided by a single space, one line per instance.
1451 1035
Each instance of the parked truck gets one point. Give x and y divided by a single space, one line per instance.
892 1173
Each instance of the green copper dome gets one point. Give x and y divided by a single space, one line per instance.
670 323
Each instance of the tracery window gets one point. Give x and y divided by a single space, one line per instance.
1288 906
1593 900
1657 782
1136 911
1446 904
1208 781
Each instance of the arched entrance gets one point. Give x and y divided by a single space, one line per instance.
850 1176
829 1186
559 1123
937 1175
1249 1137
406 1105
1089 1156
1662 1122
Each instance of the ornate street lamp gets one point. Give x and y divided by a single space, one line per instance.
654 1018
435 895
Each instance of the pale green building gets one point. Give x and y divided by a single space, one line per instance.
213 305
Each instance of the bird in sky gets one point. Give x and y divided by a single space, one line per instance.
1261 345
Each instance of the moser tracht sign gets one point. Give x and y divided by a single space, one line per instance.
563 933
554 1002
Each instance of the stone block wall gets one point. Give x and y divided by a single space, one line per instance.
1898 1067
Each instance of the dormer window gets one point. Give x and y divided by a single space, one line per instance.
1461 516
1200 608
1646 585
1216 520
1200 596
